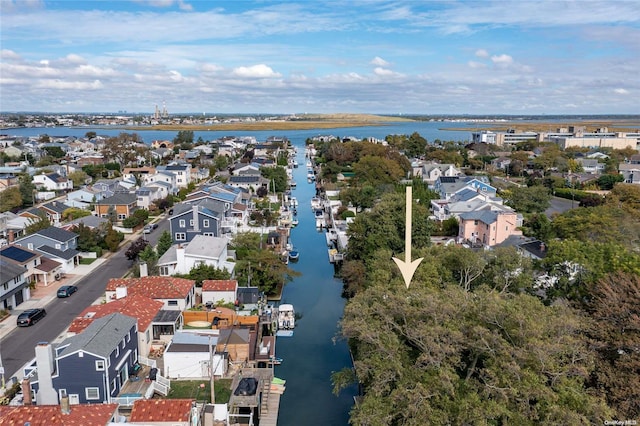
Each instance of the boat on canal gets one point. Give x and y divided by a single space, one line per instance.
294 255
286 317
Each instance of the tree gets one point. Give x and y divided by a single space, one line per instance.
184 137
207 272
113 238
121 149
614 307
37 225
377 170
79 178
135 248
150 257
90 135
415 145
54 151
26 189
164 243
73 213
10 199
431 355
532 199
277 177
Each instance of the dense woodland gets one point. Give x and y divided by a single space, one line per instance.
473 340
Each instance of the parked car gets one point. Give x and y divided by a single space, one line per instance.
147 229
31 316
67 290
155 226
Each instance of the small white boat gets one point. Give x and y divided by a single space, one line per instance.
295 164
309 163
294 254
286 317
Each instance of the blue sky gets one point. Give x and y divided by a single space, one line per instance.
369 56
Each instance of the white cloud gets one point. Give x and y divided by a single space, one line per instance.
481 53
6 54
385 72
621 91
256 71
378 61
475 64
69 85
502 60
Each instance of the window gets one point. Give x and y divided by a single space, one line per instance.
121 216
117 351
190 222
182 223
172 303
92 393
208 234
127 338
164 271
181 236
100 366
123 343
475 222
205 223
58 246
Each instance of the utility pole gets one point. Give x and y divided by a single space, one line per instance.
211 371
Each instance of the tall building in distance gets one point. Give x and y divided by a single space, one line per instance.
157 114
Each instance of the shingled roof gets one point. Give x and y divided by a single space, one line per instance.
101 336
137 306
161 410
154 287
80 415
219 285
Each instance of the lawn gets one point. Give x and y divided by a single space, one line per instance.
194 389
87 261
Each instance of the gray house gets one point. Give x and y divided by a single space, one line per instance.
54 243
90 367
191 220
13 287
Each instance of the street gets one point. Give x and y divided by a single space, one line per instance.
18 347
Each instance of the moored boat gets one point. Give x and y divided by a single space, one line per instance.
286 317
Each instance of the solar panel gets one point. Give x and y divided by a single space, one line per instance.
17 254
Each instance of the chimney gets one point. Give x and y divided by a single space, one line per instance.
65 407
26 392
179 258
196 225
46 395
121 292
12 236
542 247
143 269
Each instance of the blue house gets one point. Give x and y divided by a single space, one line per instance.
191 220
55 244
90 367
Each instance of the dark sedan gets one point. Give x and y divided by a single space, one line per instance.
30 317
67 290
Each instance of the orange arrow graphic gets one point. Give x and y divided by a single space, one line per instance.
407 267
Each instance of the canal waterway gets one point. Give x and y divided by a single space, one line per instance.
310 356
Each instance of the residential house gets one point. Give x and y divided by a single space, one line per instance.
630 172
14 288
219 291
7 180
175 293
248 182
57 415
5 217
244 169
122 205
141 175
188 221
446 186
160 412
432 171
83 198
90 221
591 165
201 250
181 171
466 200
138 306
109 187
487 227
165 177
634 159
54 243
54 211
90 367
53 182
249 297
188 356
147 195
38 268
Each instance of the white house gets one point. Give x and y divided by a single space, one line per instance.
53 182
188 356
181 258
214 291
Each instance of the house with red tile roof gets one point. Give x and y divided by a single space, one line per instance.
138 306
175 293
219 291
176 412
52 415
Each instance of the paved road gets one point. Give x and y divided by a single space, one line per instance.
18 347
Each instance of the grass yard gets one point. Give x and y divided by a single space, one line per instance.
87 261
194 389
